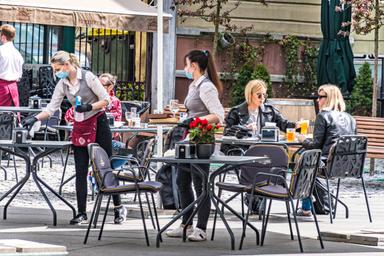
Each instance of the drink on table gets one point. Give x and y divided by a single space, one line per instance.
174 107
290 134
304 124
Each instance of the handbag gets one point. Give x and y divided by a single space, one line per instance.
84 132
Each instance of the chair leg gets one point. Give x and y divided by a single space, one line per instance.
105 216
262 207
366 199
245 222
289 218
297 227
156 216
99 197
317 225
97 212
143 217
329 202
215 217
150 211
337 197
264 231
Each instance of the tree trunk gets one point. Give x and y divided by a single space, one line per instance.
216 23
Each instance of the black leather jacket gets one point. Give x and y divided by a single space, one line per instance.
329 126
267 113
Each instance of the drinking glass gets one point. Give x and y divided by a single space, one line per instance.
290 134
128 118
183 116
174 107
304 124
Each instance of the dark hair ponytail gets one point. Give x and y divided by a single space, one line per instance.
204 60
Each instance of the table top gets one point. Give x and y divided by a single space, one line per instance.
36 143
19 109
149 129
252 141
237 160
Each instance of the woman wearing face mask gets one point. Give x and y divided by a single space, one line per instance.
202 101
75 82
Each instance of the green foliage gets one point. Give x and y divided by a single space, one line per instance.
291 46
361 98
262 73
246 74
130 91
300 61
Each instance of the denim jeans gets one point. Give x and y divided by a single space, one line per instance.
306 204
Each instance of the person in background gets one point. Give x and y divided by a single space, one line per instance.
331 123
11 67
202 101
74 82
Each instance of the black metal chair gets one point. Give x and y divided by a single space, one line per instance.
276 188
7 123
276 152
346 160
108 185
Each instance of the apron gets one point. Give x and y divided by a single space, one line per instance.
9 94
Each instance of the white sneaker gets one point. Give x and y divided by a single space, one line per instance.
198 235
178 232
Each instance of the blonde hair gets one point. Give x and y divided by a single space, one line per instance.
8 31
253 86
111 78
334 98
61 57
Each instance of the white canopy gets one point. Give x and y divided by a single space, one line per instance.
131 15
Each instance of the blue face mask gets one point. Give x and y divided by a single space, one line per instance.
62 74
188 75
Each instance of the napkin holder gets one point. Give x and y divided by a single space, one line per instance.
35 102
185 150
19 135
270 133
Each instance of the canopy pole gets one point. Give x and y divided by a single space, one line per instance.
160 72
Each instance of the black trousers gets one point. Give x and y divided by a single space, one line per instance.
184 184
104 139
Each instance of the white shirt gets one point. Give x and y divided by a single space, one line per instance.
58 94
11 62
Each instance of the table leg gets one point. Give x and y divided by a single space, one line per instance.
38 180
62 183
19 185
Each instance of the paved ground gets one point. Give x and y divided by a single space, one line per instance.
30 219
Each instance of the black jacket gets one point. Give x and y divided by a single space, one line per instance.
239 115
329 126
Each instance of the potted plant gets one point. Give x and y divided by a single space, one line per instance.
226 40
203 135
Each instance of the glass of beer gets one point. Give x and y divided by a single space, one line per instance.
290 134
304 124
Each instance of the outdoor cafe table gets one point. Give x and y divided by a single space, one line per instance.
31 162
20 109
252 141
208 193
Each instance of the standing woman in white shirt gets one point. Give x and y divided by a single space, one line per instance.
75 82
11 67
202 101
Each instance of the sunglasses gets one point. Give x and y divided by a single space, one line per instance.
321 96
259 95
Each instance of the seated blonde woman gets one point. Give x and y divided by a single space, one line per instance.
331 123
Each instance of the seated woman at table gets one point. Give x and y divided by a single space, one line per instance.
253 113
331 123
74 82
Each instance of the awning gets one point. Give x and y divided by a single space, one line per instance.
132 15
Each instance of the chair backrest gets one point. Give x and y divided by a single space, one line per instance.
275 152
144 151
47 81
304 174
101 167
7 122
53 120
346 157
